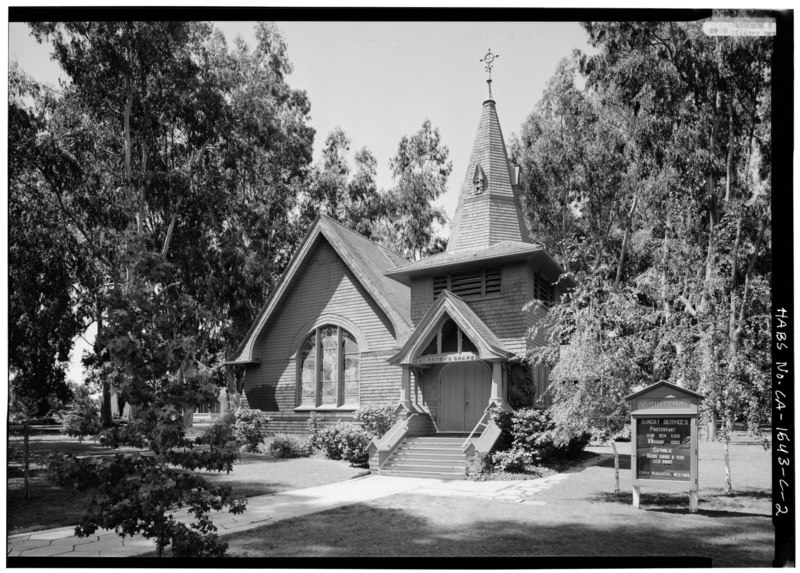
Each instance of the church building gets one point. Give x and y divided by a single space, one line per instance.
352 323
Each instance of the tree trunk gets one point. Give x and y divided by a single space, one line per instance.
105 414
726 438
711 432
713 207
616 466
106 418
664 275
729 171
625 241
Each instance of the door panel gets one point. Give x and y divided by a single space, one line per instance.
464 395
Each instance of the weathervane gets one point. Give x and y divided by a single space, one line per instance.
489 59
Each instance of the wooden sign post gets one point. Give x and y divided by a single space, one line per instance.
664 440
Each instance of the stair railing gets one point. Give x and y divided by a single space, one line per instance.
475 429
385 446
387 439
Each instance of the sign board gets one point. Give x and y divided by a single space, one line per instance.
664 439
440 358
663 448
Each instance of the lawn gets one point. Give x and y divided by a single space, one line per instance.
253 474
580 516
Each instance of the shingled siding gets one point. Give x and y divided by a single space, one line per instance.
421 297
326 287
504 315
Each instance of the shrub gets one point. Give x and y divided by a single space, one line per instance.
249 426
218 433
313 427
376 419
479 466
82 417
345 441
286 446
327 439
354 443
531 430
513 460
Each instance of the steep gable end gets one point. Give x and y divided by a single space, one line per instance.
367 261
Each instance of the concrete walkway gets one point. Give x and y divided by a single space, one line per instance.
266 509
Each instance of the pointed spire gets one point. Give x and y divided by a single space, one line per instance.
488 210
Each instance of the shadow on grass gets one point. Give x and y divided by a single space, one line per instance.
364 530
624 462
711 504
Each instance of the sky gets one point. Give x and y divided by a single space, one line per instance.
379 81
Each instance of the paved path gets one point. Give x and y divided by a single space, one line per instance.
266 509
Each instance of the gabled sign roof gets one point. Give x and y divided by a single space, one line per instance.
669 385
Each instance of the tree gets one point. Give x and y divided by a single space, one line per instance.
420 169
174 164
687 234
46 311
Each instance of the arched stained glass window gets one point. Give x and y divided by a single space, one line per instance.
329 368
352 370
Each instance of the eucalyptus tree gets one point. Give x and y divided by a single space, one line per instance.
420 170
174 163
692 234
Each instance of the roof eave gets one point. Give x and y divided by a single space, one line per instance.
405 275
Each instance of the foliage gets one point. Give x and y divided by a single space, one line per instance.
313 429
344 441
479 466
376 419
249 427
403 218
420 168
513 460
172 164
521 389
354 442
651 187
45 261
531 435
221 433
286 446
82 416
136 496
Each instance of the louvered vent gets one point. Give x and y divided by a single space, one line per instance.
473 283
544 290
493 281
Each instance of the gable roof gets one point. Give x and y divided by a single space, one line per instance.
488 210
368 262
489 346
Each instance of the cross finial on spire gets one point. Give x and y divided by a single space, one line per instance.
489 59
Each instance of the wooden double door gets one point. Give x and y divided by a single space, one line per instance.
464 389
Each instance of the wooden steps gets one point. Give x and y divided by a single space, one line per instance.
438 457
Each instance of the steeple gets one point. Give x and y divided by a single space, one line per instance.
488 210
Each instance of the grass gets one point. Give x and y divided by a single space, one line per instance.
51 506
581 516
